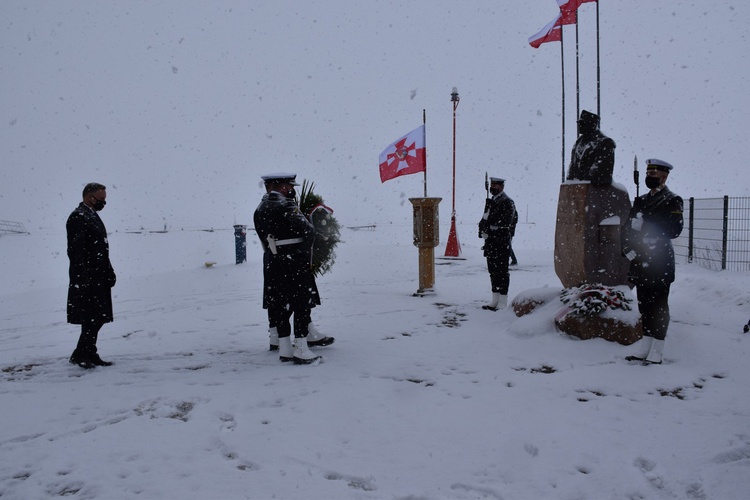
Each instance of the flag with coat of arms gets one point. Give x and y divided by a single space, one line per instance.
404 156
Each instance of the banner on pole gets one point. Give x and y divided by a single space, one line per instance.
568 9
552 32
404 156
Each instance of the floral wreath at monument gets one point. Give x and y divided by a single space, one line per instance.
327 228
590 300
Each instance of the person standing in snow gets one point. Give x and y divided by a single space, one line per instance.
496 228
655 220
593 155
91 275
315 338
289 287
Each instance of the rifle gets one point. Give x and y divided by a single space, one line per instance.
483 222
635 176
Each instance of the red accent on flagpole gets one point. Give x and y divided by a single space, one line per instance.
453 247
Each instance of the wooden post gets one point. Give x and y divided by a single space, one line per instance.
426 238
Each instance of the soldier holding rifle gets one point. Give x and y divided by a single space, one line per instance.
496 228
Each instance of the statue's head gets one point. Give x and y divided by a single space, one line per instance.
588 123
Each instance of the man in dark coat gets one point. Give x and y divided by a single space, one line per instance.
655 219
91 275
593 155
289 287
496 227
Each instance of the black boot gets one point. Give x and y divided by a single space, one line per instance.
99 361
81 359
85 354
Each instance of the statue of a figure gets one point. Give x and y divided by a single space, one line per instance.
593 155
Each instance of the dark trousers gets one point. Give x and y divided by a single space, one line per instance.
497 265
653 304
280 318
88 338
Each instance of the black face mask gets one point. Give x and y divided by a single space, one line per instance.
652 182
494 191
98 204
291 194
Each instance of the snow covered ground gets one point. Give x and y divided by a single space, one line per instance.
419 398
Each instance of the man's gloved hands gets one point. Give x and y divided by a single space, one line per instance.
483 228
636 223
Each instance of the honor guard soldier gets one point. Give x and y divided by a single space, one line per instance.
496 227
289 287
655 220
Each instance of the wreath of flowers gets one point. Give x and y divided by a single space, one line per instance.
590 300
327 229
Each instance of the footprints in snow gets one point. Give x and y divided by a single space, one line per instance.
452 317
354 482
158 409
649 469
585 395
17 372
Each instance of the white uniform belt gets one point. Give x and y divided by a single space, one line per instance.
273 243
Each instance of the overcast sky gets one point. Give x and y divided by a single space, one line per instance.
179 106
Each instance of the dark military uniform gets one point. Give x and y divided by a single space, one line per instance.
289 285
652 266
498 225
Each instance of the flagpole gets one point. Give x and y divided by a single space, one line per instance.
598 78
424 140
562 78
453 247
578 85
455 99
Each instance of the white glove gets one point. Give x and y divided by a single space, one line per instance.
637 222
631 255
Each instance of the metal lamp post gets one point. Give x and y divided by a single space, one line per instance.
453 247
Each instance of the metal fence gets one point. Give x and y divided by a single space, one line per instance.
717 233
7 226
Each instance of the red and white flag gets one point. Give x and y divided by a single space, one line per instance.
569 10
405 156
552 32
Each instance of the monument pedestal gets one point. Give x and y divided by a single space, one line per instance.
587 234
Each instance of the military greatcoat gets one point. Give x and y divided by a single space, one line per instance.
653 258
499 226
287 273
